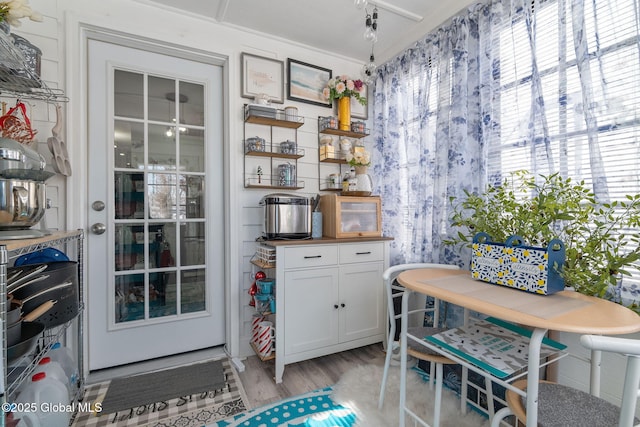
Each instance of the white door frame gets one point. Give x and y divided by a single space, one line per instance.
76 35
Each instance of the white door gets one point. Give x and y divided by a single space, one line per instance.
155 260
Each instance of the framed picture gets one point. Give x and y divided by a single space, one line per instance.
306 82
262 75
358 110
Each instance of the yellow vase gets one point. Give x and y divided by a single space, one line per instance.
344 113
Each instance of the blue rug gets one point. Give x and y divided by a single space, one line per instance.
313 409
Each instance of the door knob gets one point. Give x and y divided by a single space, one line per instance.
98 205
98 228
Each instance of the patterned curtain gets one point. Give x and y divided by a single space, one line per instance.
428 135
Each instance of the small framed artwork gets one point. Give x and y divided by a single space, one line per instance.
306 82
358 110
262 75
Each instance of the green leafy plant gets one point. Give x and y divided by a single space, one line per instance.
602 240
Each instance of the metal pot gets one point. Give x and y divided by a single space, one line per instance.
22 203
14 155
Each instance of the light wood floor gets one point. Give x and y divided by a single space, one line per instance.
302 377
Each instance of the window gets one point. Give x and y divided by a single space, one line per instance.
550 134
555 137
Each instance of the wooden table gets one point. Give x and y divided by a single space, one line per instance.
564 311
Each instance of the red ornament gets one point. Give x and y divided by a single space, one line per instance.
254 287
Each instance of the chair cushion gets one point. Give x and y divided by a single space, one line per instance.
562 406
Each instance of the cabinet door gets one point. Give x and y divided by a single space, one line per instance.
310 313
361 292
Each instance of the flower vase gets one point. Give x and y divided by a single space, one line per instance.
344 113
363 180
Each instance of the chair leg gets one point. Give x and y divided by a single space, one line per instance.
630 391
438 401
500 415
385 372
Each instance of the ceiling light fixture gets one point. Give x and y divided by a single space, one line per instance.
370 34
369 69
371 26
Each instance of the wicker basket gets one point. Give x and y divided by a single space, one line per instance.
266 255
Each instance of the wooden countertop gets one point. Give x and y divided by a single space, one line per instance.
324 240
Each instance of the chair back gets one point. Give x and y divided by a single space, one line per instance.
624 346
396 291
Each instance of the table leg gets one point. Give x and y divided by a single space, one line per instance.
533 376
403 356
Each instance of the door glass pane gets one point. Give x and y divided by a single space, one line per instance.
129 254
162 294
162 195
164 244
162 147
192 244
193 291
128 145
161 107
128 100
129 298
191 111
129 195
192 150
193 188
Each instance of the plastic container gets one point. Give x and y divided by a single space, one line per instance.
265 286
64 356
54 370
49 399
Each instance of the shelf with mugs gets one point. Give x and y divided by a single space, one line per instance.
272 356
332 162
329 126
271 135
271 116
258 147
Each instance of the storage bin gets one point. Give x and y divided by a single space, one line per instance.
346 216
515 265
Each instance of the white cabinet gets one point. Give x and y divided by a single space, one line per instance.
329 297
311 307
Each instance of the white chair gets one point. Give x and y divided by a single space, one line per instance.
419 352
559 405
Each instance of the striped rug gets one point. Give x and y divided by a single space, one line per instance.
194 410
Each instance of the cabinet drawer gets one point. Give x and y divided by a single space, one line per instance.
361 252
310 256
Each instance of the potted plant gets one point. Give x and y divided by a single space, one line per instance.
602 240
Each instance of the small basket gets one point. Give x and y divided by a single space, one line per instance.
266 255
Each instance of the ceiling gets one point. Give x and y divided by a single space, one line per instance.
333 25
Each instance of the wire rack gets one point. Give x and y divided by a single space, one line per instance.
17 79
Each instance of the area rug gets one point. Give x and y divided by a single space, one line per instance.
353 402
194 409
138 390
313 409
